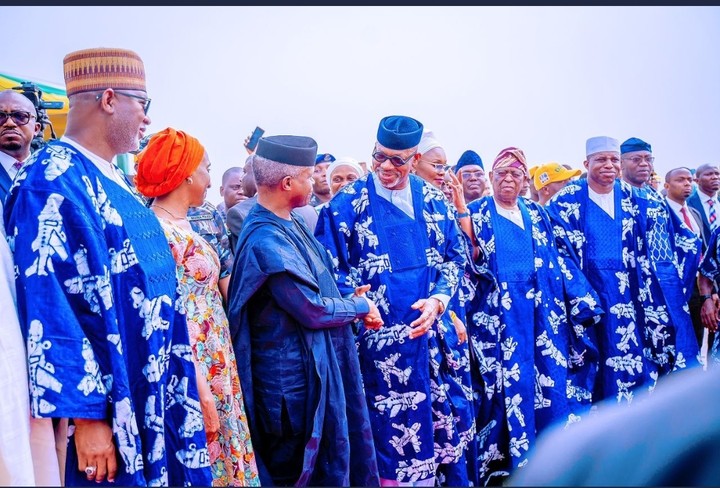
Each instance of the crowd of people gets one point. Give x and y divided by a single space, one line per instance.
331 322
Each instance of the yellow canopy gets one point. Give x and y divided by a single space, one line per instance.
50 93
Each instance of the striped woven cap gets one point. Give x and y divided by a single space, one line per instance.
100 68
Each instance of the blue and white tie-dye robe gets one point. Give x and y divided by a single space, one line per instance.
403 259
533 346
674 252
635 338
96 291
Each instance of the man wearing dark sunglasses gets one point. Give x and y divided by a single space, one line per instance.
18 127
395 232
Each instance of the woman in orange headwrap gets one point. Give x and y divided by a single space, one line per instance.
174 170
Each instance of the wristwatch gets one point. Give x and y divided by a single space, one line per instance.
705 297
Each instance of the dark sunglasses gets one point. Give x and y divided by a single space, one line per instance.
145 101
397 161
20 118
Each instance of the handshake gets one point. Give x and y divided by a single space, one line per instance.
372 320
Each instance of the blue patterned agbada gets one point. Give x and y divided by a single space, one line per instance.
96 299
534 345
404 260
636 337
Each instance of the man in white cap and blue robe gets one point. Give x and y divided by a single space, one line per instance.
392 230
602 223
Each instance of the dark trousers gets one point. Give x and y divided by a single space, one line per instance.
695 304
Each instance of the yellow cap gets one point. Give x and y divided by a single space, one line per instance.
552 172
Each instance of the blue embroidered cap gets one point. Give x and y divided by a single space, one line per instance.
634 144
468 158
294 150
324 158
398 132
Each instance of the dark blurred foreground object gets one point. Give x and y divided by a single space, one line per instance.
669 438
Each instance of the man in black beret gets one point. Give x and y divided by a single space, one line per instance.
292 335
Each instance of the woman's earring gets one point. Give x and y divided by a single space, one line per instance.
189 180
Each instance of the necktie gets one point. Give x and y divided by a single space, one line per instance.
712 215
686 218
17 165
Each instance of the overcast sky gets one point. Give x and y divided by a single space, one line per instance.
543 79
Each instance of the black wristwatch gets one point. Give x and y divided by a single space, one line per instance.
705 297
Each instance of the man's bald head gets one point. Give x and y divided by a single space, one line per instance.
18 130
15 96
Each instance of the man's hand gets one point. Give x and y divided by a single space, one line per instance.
430 308
460 328
709 314
372 320
95 449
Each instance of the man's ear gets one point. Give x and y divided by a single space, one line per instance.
286 183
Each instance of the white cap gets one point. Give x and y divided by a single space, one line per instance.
600 144
343 161
428 142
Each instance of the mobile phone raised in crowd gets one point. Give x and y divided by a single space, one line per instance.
254 138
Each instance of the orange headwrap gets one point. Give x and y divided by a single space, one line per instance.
169 157
511 157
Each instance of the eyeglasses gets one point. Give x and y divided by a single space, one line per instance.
145 101
397 161
516 174
438 167
472 174
640 159
20 118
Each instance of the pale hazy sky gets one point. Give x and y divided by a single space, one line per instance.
543 79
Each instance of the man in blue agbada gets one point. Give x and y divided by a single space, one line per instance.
292 334
96 291
533 346
674 251
605 225
395 232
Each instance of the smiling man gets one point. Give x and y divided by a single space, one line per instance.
397 233
614 233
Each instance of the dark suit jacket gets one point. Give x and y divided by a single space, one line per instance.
5 183
694 201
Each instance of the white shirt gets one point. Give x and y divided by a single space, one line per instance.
676 208
7 162
107 168
514 216
605 201
402 199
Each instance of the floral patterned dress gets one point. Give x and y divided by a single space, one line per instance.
232 458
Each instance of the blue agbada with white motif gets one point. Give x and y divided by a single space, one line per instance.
533 346
96 299
403 259
625 258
